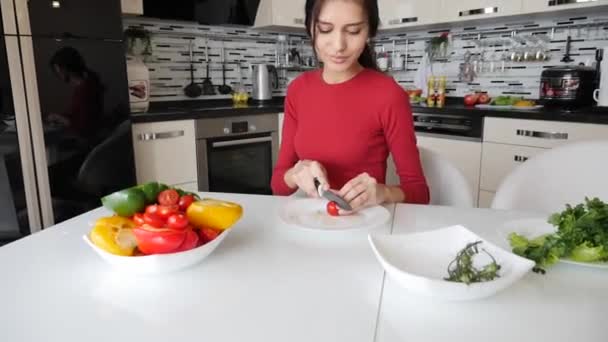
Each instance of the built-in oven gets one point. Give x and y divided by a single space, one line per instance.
237 154
466 126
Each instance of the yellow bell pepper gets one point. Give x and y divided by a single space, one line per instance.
114 235
215 214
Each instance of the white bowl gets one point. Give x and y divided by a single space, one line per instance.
419 262
161 263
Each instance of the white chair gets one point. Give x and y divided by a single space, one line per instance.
563 175
447 185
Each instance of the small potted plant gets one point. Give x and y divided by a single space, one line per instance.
438 46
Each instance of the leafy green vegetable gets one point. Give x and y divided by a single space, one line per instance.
461 269
582 235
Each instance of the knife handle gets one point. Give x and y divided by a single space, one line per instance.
317 183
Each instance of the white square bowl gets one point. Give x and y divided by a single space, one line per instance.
419 263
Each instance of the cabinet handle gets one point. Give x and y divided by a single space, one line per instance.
485 10
161 135
241 142
402 20
520 159
542 135
552 3
298 21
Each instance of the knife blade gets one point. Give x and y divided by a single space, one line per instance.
329 195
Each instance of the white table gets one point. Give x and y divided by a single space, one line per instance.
569 303
266 282
270 282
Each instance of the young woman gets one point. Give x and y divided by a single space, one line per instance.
342 120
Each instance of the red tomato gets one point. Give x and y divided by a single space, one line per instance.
151 240
185 201
168 197
470 100
332 209
152 209
154 220
484 98
190 242
165 211
138 218
177 222
208 234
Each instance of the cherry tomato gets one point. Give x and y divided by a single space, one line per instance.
332 209
190 242
177 222
152 209
168 197
208 234
151 240
165 211
138 218
185 201
154 220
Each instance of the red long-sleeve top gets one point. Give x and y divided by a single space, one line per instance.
350 128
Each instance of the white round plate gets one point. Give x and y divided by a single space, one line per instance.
310 213
531 228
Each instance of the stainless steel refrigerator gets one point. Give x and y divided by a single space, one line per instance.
64 109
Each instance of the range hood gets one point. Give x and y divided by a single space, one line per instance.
206 12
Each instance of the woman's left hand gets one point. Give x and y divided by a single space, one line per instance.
363 191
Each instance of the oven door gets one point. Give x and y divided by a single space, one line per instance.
238 164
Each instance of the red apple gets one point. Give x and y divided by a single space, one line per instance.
470 100
484 98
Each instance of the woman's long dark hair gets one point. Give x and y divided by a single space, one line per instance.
313 9
72 62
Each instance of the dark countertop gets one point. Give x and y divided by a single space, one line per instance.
593 115
184 110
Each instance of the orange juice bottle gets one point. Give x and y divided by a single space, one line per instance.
440 100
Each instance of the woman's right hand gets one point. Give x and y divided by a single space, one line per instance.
302 175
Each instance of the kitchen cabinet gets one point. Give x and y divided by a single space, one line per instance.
478 9
132 7
508 143
463 154
273 14
398 13
165 152
533 6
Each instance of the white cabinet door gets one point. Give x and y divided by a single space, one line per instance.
533 6
478 9
134 7
165 152
538 133
280 13
400 13
486 198
498 160
464 155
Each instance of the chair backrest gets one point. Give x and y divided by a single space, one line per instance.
447 184
109 166
563 175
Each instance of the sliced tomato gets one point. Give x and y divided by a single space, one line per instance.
177 221
190 242
154 220
168 197
138 218
208 234
165 211
332 208
185 201
151 240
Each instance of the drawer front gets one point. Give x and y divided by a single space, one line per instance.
498 160
537 133
165 152
486 198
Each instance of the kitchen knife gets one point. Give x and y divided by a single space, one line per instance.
329 195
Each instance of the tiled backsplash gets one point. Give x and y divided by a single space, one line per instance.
169 63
